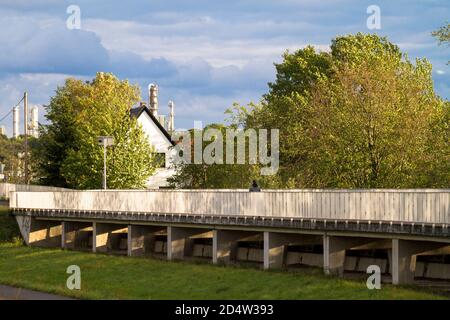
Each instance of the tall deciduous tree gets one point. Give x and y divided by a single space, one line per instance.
362 115
68 153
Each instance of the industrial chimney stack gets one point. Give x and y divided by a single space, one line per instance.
34 126
16 120
171 121
153 98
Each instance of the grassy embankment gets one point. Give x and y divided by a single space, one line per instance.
115 277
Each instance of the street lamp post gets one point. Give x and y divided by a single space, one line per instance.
105 141
2 170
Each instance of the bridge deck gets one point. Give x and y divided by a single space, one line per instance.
274 228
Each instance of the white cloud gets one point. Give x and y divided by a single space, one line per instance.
220 44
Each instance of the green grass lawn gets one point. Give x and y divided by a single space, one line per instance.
116 277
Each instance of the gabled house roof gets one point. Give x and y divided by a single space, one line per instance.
136 112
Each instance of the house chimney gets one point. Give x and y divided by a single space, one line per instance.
16 122
171 121
153 98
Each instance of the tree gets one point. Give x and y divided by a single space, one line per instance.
360 116
375 127
443 35
206 176
68 153
11 151
61 135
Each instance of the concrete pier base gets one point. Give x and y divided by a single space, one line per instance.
110 238
404 255
77 235
141 239
45 233
180 241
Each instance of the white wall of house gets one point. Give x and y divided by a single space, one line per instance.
162 145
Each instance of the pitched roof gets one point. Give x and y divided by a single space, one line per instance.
136 112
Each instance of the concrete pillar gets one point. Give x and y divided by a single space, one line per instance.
404 254
334 249
94 237
274 247
45 233
63 234
179 243
141 239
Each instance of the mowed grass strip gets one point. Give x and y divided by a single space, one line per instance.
118 277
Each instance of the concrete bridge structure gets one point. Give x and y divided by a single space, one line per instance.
405 232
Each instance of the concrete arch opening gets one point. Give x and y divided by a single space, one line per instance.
110 238
77 235
147 241
238 246
44 233
189 243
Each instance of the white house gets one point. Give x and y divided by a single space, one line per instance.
158 130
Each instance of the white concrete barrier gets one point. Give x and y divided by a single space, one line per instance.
415 205
7 188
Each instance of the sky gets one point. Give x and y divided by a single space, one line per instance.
204 55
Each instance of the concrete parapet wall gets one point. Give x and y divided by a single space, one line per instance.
410 206
7 188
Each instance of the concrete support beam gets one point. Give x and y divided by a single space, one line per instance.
334 249
24 223
45 233
179 242
107 237
404 254
141 239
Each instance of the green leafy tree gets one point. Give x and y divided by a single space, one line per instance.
206 176
366 116
443 35
11 153
68 153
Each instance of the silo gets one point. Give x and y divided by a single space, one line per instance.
171 121
153 98
16 119
34 125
